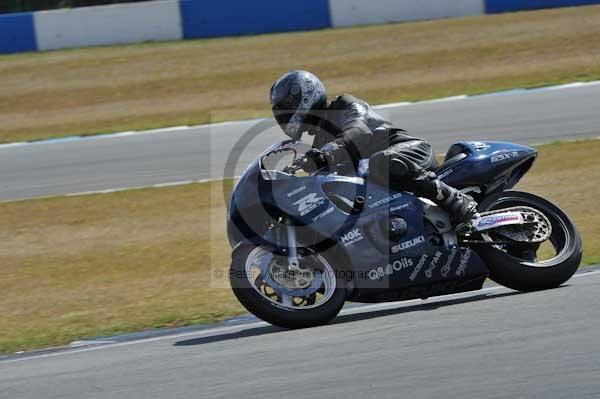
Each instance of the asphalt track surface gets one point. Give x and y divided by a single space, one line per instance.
104 163
494 343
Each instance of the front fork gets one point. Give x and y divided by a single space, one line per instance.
285 241
290 232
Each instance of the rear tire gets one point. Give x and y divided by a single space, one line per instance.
521 272
277 314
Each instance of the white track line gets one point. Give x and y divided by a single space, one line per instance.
358 309
116 190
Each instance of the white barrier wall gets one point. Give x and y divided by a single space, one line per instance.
361 12
112 24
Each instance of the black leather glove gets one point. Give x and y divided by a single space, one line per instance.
314 160
332 151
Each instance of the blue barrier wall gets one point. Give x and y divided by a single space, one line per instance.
174 19
203 18
17 33
498 6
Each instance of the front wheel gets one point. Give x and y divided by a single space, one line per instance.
520 266
310 296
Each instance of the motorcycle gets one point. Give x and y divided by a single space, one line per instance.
304 244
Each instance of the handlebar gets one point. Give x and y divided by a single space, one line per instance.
297 164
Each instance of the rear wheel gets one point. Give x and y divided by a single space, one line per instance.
309 296
532 266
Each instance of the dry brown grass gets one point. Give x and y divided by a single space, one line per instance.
76 267
140 86
83 266
568 174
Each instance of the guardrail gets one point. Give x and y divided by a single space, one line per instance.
185 19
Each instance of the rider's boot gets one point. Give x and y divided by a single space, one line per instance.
462 207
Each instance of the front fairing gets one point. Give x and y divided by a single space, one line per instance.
252 202
265 192
245 195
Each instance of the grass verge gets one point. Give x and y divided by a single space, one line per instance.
134 87
77 267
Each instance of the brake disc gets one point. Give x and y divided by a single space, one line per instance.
298 283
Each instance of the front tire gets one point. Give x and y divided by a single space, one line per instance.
265 302
516 267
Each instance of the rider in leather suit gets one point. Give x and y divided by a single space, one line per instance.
348 129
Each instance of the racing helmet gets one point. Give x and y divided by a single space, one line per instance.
293 96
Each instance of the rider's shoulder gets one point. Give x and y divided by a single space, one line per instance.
346 101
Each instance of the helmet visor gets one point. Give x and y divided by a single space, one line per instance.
290 122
